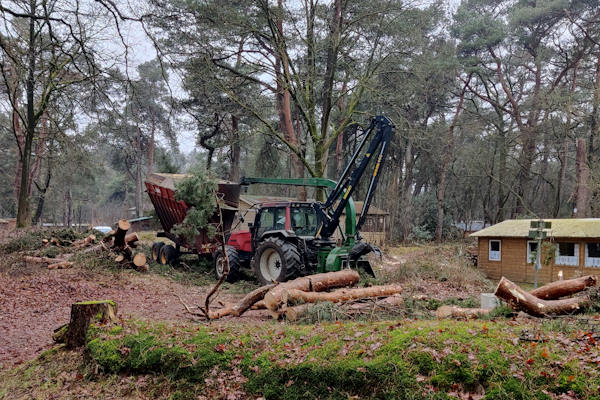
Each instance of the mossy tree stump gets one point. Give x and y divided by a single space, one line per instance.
83 314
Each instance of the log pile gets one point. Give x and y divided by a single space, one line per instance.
118 245
291 299
121 246
549 300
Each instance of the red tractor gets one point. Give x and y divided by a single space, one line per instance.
277 241
289 239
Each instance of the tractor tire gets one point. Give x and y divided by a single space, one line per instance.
155 252
276 260
234 264
167 254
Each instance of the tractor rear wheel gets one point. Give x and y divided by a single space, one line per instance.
156 246
276 260
234 264
167 254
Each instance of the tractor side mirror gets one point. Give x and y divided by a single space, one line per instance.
241 218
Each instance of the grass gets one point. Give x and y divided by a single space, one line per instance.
447 262
405 359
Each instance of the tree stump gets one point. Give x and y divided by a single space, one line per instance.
82 314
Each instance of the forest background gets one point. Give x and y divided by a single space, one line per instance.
495 103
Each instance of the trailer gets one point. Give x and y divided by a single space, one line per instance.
170 212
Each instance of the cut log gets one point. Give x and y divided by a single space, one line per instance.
521 300
342 295
42 260
139 260
84 242
244 305
131 239
459 312
82 315
276 298
108 237
122 226
61 265
558 289
120 258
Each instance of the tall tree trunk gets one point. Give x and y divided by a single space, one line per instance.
23 213
151 144
284 104
40 149
234 172
42 195
562 158
138 173
582 203
446 158
68 211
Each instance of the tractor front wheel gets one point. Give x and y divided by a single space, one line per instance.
234 264
276 261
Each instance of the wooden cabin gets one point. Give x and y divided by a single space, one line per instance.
572 246
373 231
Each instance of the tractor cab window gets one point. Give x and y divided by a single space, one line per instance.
304 220
271 218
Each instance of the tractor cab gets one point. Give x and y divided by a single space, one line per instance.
286 218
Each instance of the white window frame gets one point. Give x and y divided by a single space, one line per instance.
530 260
591 261
494 255
567 260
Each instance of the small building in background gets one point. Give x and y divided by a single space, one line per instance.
373 230
572 246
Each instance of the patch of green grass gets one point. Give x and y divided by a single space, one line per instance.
391 359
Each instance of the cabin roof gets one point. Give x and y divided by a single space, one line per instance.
561 228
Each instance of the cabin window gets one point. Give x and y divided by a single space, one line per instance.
495 248
567 254
592 254
532 246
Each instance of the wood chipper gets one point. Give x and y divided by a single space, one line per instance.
161 190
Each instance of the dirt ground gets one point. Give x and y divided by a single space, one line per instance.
34 303
34 300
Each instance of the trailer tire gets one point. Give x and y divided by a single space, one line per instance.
234 264
168 254
155 252
276 260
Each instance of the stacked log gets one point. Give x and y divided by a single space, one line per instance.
121 245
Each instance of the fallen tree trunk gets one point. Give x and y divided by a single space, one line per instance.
42 260
82 314
61 265
276 298
342 295
122 227
521 300
558 289
459 312
244 305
